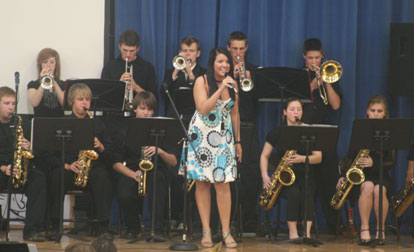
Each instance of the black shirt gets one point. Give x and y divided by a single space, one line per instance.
316 111
132 156
7 141
248 100
411 153
299 169
102 134
6 144
49 106
181 91
143 71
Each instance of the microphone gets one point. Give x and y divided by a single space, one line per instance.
17 78
232 84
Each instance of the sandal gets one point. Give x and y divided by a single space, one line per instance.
380 242
232 244
364 242
206 244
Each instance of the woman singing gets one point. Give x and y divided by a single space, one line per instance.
215 134
294 194
369 190
47 102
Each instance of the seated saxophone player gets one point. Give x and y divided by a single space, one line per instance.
377 108
129 179
98 180
292 113
35 186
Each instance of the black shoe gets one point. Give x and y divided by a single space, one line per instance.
34 237
52 235
104 232
130 235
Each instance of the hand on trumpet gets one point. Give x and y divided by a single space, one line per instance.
127 77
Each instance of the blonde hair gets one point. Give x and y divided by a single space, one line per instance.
79 89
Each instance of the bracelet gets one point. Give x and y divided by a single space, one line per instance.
237 142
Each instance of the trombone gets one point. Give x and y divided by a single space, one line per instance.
129 92
246 84
179 62
46 81
330 71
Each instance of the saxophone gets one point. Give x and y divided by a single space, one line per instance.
354 176
145 165
402 200
21 159
282 176
84 158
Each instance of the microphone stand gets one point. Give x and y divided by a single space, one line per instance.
14 132
184 245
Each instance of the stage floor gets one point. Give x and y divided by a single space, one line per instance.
249 244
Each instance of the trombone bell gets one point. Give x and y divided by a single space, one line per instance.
331 71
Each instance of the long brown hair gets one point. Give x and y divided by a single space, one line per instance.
43 56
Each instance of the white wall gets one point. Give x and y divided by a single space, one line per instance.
75 28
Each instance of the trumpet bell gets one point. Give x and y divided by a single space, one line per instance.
331 71
47 81
246 84
179 62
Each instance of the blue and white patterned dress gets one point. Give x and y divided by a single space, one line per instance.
212 137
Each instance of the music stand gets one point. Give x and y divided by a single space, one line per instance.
184 100
275 84
153 132
306 138
380 135
107 95
64 134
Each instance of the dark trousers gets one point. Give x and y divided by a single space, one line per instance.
35 191
296 196
326 177
99 184
132 205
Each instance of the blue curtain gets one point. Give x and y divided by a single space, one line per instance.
355 33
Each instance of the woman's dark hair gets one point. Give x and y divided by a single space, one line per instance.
212 83
286 104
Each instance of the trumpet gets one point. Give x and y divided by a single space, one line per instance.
330 71
46 81
246 84
129 92
179 62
